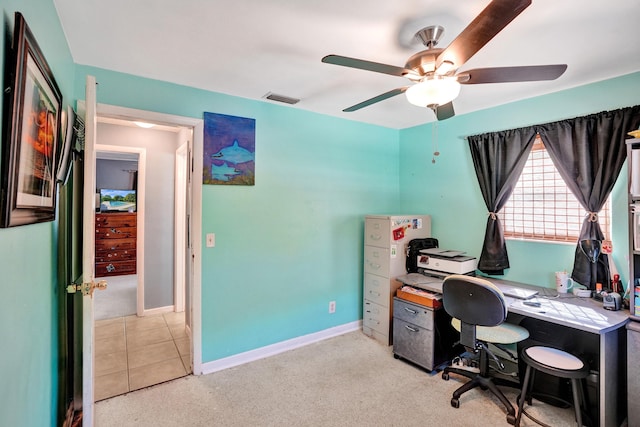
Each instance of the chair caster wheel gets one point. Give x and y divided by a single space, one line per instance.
455 402
395 356
511 419
445 376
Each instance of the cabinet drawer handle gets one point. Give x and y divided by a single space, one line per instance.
410 328
410 311
375 236
374 265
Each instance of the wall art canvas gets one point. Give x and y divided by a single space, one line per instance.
229 150
32 132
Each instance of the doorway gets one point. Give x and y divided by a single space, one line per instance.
120 201
153 343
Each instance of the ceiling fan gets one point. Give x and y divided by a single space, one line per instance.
434 71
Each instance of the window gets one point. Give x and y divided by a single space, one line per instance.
541 206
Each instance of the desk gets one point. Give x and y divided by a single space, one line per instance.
582 314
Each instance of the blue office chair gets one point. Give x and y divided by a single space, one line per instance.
479 310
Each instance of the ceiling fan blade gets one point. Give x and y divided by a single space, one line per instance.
444 111
497 15
361 64
375 99
512 74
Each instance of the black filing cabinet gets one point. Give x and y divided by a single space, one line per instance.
421 334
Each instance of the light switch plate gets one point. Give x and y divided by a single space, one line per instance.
211 240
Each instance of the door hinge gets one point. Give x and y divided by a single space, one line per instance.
86 288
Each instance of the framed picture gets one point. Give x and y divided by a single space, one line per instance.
229 150
31 134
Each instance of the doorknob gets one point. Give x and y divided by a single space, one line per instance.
87 288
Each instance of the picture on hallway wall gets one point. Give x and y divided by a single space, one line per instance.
229 150
32 120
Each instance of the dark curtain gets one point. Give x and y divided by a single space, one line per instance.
498 158
589 152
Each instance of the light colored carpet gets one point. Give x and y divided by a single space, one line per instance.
349 380
118 300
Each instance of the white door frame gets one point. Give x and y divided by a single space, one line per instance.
197 131
180 215
140 197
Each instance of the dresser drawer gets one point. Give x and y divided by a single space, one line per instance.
118 268
413 343
115 245
377 232
116 233
376 260
116 220
413 313
111 256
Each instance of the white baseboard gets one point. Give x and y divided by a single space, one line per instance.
277 348
158 310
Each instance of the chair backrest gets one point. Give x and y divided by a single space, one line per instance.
473 300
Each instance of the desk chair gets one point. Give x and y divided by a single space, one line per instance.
479 310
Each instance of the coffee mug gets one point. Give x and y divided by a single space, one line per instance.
563 282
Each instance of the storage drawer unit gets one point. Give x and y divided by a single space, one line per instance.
115 244
421 334
385 245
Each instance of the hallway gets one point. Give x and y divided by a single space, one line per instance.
135 352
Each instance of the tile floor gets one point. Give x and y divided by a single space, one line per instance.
135 352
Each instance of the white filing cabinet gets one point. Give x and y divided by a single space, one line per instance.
385 245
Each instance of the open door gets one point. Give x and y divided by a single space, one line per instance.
88 241
70 303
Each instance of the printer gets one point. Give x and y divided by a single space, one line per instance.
443 262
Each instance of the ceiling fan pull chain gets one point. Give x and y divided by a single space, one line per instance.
434 137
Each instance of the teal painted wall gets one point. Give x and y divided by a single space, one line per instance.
293 242
449 189
28 321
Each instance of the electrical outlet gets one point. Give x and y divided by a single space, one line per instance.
332 307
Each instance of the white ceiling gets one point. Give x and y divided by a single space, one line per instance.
248 48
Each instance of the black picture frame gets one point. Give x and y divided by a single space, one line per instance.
31 133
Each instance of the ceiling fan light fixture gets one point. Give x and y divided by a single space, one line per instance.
433 91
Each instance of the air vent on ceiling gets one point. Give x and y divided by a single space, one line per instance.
281 98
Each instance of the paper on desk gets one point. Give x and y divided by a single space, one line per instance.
421 293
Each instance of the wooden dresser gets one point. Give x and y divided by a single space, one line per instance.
115 244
